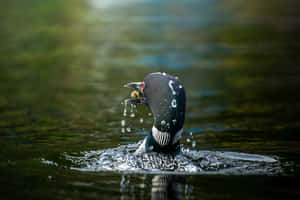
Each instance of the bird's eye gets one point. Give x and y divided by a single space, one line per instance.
143 85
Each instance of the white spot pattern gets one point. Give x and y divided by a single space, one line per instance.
174 103
171 87
174 121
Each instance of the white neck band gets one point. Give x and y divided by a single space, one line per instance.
164 138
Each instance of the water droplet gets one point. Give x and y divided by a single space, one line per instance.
123 122
194 144
123 130
128 129
180 86
125 108
132 115
163 122
188 139
141 120
174 103
191 133
131 108
164 73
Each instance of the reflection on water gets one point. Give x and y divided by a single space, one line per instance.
162 187
63 65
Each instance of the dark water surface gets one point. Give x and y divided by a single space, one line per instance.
63 65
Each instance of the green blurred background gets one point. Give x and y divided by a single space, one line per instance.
62 69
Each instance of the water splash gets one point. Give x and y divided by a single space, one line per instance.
194 144
124 159
125 108
128 129
131 112
123 122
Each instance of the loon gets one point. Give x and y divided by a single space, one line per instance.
165 96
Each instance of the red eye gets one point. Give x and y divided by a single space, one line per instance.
143 85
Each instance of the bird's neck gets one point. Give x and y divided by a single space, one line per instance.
166 138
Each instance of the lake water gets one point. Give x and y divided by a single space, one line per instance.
63 65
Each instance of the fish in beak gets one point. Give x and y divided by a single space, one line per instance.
137 95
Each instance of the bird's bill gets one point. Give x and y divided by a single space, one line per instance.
136 96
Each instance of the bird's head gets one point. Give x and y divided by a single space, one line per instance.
165 96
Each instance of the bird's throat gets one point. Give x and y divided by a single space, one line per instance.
165 138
